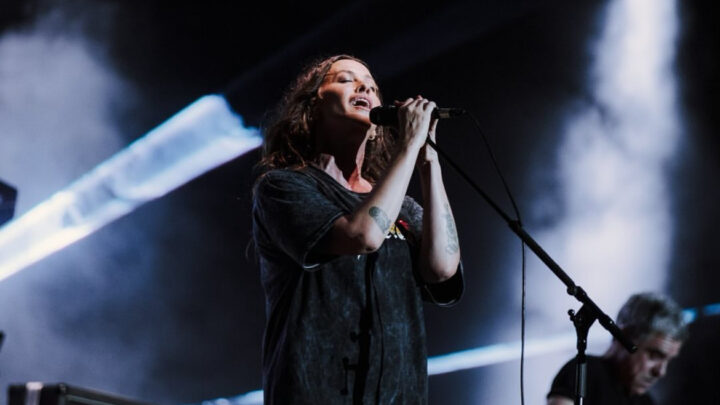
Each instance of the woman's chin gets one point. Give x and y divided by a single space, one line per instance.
362 119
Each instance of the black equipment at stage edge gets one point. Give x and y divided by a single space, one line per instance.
8 196
36 393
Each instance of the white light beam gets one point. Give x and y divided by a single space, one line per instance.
200 137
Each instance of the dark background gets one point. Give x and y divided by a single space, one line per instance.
165 304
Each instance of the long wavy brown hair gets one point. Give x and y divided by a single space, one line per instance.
290 136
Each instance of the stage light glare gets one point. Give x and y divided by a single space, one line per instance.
614 237
200 137
613 230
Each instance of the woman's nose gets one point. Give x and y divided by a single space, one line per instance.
363 87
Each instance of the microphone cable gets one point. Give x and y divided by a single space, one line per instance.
522 250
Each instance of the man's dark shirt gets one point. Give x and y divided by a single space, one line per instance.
343 329
603 386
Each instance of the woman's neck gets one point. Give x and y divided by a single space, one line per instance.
341 153
347 172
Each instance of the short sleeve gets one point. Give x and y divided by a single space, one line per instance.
291 213
448 292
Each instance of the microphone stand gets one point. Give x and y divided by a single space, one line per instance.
588 313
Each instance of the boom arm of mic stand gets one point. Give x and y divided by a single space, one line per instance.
572 289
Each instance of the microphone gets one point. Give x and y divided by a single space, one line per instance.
386 115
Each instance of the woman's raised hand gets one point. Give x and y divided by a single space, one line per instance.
414 120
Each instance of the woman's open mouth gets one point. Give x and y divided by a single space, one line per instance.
361 102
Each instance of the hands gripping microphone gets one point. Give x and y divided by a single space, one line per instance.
387 115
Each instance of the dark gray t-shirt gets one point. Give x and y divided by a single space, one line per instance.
603 386
343 329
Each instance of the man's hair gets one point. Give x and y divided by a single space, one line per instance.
648 313
290 136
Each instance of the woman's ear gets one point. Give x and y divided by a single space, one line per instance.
373 133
